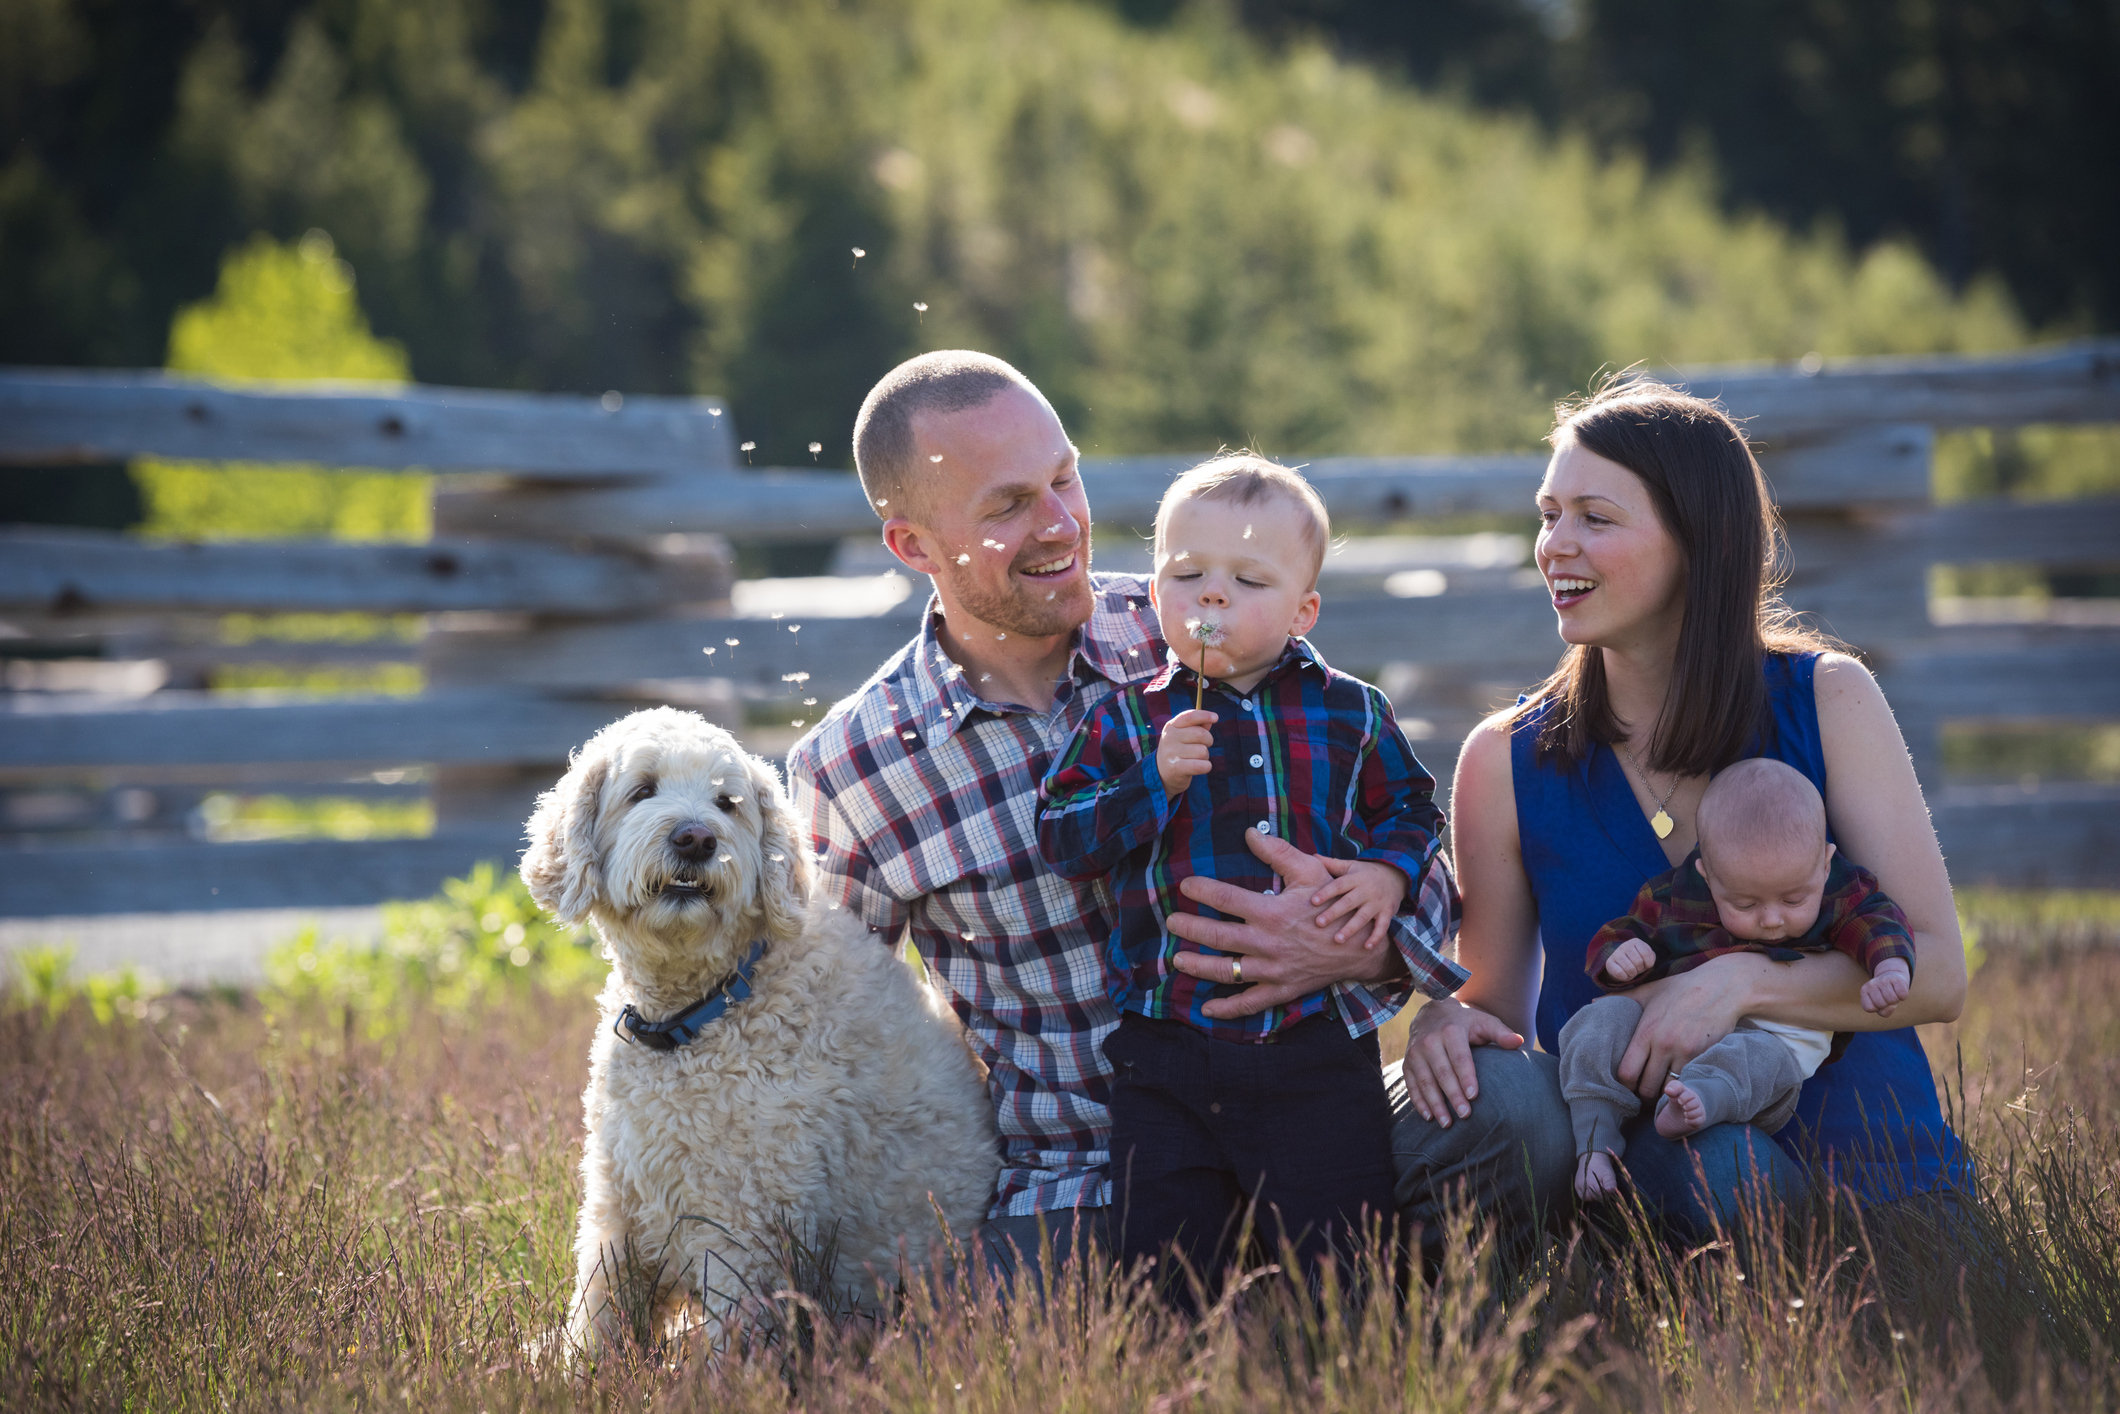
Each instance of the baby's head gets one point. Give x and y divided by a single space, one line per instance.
1763 850
1239 542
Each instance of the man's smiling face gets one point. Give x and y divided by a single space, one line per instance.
999 515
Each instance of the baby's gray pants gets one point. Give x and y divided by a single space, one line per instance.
1748 1076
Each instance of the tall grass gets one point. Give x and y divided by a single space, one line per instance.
233 1204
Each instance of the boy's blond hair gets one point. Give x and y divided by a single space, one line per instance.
1244 479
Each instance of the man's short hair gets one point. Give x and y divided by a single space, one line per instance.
1760 803
1245 479
945 381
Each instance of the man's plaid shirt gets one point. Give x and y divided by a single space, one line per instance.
923 801
1309 755
1675 915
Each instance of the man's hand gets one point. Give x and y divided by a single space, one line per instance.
1630 960
1366 892
1286 954
1181 752
1888 986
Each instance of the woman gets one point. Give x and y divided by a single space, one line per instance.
1656 546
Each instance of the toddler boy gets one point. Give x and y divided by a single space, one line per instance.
1285 1109
1764 879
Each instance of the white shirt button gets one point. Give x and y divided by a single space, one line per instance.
1246 705
1258 761
1266 827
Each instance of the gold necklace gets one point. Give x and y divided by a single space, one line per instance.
1661 821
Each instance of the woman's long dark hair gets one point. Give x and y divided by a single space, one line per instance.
1710 496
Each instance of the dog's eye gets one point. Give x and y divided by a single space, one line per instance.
641 792
728 802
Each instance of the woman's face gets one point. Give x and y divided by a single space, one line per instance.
1616 576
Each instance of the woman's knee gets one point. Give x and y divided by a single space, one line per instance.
1715 1177
1515 1152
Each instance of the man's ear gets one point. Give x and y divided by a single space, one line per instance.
914 547
561 866
787 869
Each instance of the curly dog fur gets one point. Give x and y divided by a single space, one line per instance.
839 1097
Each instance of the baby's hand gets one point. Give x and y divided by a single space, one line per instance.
1888 986
1630 960
1181 752
1365 893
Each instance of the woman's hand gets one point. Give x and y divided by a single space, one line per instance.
1440 1078
1684 1015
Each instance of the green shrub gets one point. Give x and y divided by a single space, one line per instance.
480 938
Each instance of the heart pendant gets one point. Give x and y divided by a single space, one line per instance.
1662 824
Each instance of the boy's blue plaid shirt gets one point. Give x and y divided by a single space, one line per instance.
1310 755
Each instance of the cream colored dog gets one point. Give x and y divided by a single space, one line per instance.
838 1096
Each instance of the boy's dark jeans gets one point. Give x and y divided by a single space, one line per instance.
1201 1128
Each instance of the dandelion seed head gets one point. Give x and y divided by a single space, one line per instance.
1207 631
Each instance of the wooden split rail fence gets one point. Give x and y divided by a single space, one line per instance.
581 565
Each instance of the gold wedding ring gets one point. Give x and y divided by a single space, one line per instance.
1236 972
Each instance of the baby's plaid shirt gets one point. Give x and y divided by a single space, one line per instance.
1310 755
1675 915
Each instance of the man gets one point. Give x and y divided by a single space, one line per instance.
921 788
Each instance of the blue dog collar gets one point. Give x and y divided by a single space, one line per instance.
684 1028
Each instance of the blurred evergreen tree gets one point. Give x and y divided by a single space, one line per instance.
1187 237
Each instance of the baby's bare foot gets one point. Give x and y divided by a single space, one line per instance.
1596 1177
1680 1112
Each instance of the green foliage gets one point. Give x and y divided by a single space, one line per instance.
44 981
480 940
288 312
1186 238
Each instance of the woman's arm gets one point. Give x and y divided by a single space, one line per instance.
1497 939
1881 822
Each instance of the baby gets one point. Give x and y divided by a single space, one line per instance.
1285 1108
1763 880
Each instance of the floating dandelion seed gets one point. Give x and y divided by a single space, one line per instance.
882 501
708 651
965 558
986 677
858 253
731 641
1663 1323
993 545
794 628
809 702
796 723
747 449
815 448
936 458
1051 595
920 308
1247 532
967 938
999 637
1050 529
713 412
1208 633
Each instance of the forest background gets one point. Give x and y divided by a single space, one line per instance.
1317 226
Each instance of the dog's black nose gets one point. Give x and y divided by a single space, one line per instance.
693 842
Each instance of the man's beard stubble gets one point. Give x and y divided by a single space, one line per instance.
1020 607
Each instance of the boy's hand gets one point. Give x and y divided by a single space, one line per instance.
1888 986
1365 893
1631 959
1181 752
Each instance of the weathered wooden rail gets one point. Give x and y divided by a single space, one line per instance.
582 566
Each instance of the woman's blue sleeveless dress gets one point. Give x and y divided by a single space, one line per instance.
1872 1117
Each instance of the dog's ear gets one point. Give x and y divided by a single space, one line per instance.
561 866
784 891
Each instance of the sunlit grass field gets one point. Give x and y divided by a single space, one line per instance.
354 1188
